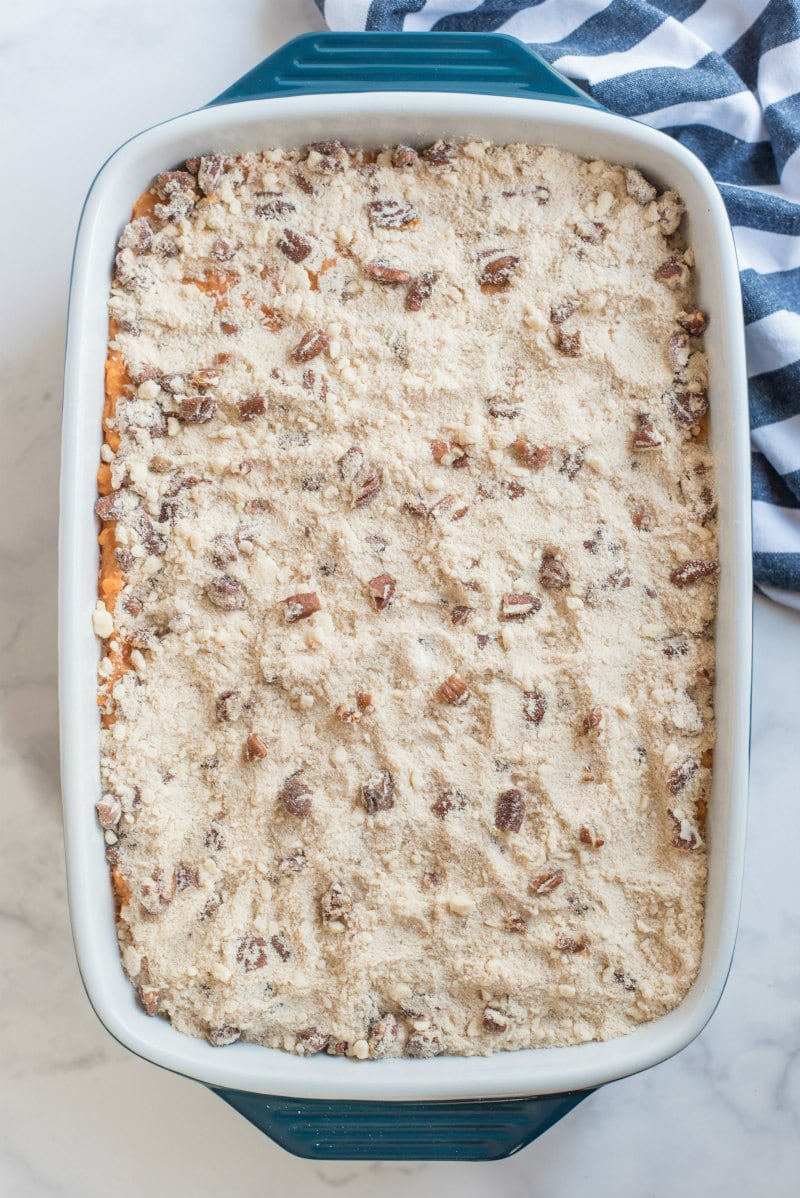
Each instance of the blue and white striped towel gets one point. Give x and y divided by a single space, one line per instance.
723 78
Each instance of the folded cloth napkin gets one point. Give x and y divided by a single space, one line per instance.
723 78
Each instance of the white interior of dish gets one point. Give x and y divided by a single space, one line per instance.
369 120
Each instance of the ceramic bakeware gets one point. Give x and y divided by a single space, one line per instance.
372 89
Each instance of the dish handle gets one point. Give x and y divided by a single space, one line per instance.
468 1130
487 63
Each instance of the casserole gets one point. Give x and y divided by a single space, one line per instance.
439 1092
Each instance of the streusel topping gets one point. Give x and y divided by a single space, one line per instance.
407 599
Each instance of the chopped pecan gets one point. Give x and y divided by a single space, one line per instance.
637 186
444 509
151 999
460 613
547 882
642 520
350 464
534 706
197 409
587 835
499 271
229 706
694 323
252 953
383 272
553 574
670 269
222 250
292 864
421 289
255 748
449 800
348 714
572 944
223 549
533 456
301 606
137 236
108 507
569 343
378 793
455 691
381 589
447 454
403 156
109 812
426 1043
332 157
392 214
336 904
294 245
685 836
281 947
510 811
254 405
382 1035
593 719
682 774
311 1040
516 606
439 154
692 571
226 592
646 435
295 795
494 1021
221 1036
309 346
177 191
271 206
573 462
687 407
561 312
591 231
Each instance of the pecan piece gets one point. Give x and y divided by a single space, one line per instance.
270 205
687 408
449 800
439 154
381 589
224 549
226 592
312 1040
421 289
426 1043
109 812
454 691
392 214
572 944
309 346
547 882
593 719
336 903
670 269
382 1035
534 706
561 312
646 435
378 793
281 947
587 835
151 998
499 272
383 272
252 953
403 156
569 343
573 462
255 748
107 507
295 795
694 323
301 606
222 250
366 486
460 613
221 1036
197 409
494 1021
692 571
515 606
680 777
294 245
510 811
533 456
553 574
229 706
254 405
447 454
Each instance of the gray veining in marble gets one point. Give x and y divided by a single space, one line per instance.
80 1116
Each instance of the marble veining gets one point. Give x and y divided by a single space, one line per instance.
80 1115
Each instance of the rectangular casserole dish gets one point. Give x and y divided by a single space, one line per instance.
329 86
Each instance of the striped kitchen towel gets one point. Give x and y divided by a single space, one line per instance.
723 78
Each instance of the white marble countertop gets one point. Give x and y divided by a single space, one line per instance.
80 1116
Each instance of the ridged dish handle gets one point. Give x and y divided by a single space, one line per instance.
486 63
477 1130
